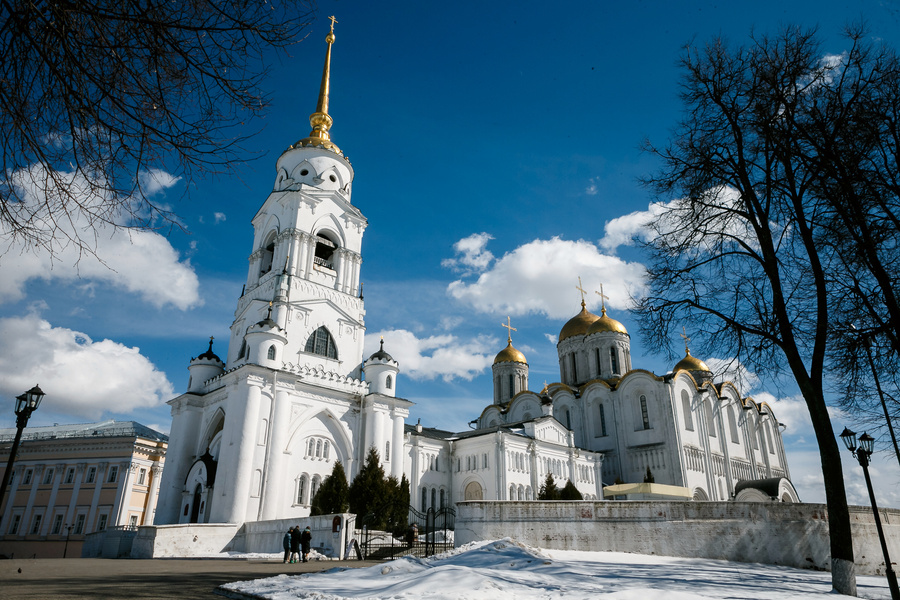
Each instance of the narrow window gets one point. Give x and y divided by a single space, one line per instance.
14 526
512 387
568 419
142 476
318 448
92 473
732 425
645 415
311 450
602 422
614 360
387 452
101 525
57 525
686 408
36 524
388 382
113 474
574 373
271 353
301 488
48 476
70 475
597 358
442 499
424 499
315 487
433 498
710 419
26 479
268 254
325 450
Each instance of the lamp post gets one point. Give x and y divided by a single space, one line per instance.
862 454
68 533
26 404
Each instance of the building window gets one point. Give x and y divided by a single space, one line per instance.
48 476
313 490
36 524
433 498
268 253
597 358
732 425
484 460
301 489
645 414
70 475
26 479
442 499
113 474
574 373
132 521
424 499
325 450
686 408
321 343
614 360
79 524
14 526
101 524
57 525
271 354
388 382
142 476
318 448
387 452
601 423
710 419
311 450
92 473
512 386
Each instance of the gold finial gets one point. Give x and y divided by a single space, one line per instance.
321 121
686 340
580 288
509 329
602 298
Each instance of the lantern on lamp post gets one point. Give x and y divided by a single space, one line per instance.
862 454
26 404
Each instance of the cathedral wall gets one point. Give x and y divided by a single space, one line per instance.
794 535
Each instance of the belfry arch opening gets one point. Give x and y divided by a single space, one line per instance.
268 255
325 247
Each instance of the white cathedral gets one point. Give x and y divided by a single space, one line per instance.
255 434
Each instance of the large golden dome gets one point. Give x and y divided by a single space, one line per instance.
690 363
605 323
510 354
579 324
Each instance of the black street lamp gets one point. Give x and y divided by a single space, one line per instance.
862 454
26 404
68 533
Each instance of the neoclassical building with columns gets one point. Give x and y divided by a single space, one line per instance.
260 427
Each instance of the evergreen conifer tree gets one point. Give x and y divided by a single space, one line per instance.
548 490
570 492
333 495
369 493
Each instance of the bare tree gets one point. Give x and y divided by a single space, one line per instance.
767 236
98 97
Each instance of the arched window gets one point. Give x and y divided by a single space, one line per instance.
710 418
433 497
601 421
311 450
686 408
315 487
424 499
732 425
321 343
443 501
325 450
614 360
268 253
301 489
512 491
271 354
645 413
597 358
324 251
574 373
568 419
387 451
388 382
512 386
318 448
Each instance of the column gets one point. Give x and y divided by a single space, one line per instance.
123 492
378 441
310 250
35 481
18 471
155 473
95 499
397 445
354 279
369 438
274 476
183 439
235 474
533 470
293 265
598 475
338 261
58 474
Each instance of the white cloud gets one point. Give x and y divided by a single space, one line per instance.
219 217
155 181
475 256
141 262
621 230
592 189
444 356
731 369
541 276
82 378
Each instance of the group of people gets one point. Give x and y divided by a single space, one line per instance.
294 540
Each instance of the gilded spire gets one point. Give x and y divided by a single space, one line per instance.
321 121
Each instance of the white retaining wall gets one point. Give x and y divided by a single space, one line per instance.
771 533
189 540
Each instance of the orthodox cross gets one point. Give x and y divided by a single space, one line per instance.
509 329
333 21
602 297
686 339
580 288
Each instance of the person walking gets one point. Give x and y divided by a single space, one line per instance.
286 544
306 542
295 544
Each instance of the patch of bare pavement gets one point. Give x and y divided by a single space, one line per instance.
130 579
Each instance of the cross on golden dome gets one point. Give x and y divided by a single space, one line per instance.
509 329
602 298
581 289
686 339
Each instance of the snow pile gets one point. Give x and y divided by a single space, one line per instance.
506 570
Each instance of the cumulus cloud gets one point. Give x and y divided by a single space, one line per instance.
154 181
444 356
472 254
82 378
622 230
141 262
731 369
219 217
541 276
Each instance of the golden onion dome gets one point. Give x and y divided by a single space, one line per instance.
510 354
605 323
690 363
579 324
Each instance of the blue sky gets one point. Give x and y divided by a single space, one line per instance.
496 153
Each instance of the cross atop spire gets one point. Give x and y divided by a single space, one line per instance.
686 340
509 329
581 289
602 298
321 121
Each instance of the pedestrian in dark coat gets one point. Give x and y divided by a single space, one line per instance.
295 544
286 544
306 542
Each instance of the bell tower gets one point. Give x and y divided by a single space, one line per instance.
306 258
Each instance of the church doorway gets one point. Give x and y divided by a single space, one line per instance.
195 505
474 491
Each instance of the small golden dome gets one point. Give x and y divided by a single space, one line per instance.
605 323
579 324
690 363
510 354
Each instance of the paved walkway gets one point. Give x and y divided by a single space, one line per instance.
127 579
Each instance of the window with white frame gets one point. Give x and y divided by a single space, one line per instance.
14 524
70 475
91 475
26 479
113 474
36 524
132 521
48 477
101 523
79 524
57 524
142 476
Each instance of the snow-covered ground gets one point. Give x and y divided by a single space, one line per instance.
506 570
